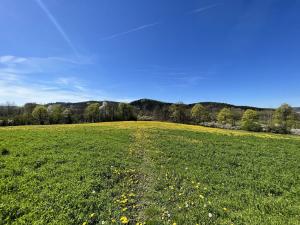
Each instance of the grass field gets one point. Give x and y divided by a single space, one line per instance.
158 173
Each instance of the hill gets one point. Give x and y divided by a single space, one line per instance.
153 172
297 109
149 104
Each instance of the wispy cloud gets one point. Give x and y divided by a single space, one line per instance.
9 59
203 9
130 31
42 80
57 26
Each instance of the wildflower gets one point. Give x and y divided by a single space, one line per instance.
124 220
225 209
210 215
113 220
85 223
124 201
174 223
92 215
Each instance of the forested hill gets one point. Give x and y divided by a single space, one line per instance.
297 109
149 104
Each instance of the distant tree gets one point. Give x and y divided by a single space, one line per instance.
283 119
107 111
178 112
237 114
225 116
27 112
55 113
265 116
67 116
165 113
250 120
92 112
29 107
40 114
199 113
126 112
157 113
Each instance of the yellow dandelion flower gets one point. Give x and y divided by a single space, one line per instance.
225 209
124 220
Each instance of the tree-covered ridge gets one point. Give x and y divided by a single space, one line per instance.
211 114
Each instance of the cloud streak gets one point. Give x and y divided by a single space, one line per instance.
129 31
203 9
57 26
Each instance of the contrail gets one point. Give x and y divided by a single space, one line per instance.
129 31
202 9
57 26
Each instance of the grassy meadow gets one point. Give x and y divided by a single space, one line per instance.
147 172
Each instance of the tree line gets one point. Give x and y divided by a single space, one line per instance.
281 120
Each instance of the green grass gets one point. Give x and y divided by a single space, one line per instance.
158 173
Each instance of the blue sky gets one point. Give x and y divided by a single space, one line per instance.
244 52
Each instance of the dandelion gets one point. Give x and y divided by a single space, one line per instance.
225 209
124 220
124 201
174 223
